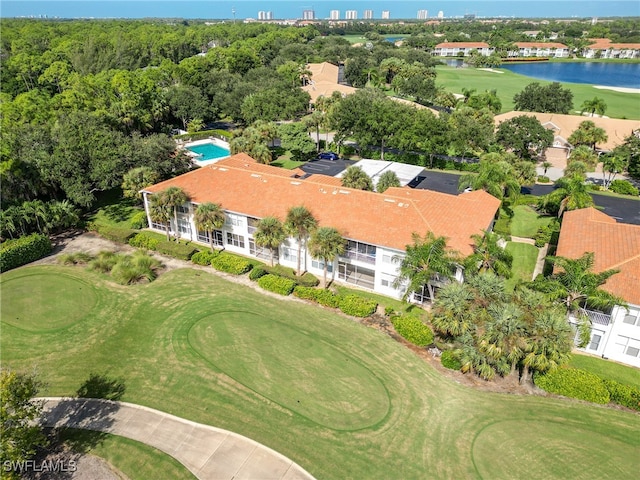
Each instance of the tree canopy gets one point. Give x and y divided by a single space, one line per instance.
552 98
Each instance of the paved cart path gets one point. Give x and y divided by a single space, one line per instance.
210 453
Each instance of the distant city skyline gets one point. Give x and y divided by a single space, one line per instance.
289 9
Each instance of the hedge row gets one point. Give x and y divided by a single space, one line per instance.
357 306
23 250
203 257
623 187
256 273
413 330
226 262
144 240
277 284
324 297
622 394
306 280
115 234
450 361
574 383
152 241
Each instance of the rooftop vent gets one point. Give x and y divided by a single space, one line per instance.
255 175
400 204
223 169
296 183
346 192
390 200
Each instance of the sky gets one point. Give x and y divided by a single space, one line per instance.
241 9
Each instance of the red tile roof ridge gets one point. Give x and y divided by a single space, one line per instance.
628 260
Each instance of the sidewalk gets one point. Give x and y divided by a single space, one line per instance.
210 453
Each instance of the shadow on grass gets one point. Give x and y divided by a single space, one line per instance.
101 386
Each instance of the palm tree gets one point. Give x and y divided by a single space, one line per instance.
572 194
326 243
489 256
545 166
495 176
299 223
175 197
314 121
269 233
208 217
576 168
452 310
596 105
136 179
427 258
161 211
505 334
584 154
611 166
386 180
588 134
355 177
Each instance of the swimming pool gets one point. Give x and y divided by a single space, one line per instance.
208 151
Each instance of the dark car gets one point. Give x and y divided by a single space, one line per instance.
328 156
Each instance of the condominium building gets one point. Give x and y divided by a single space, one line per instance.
423 14
376 227
334 15
367 14
351 14
440 14
262 15
386 15
308 15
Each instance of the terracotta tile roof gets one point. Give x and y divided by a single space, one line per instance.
540 45
615 245
617 129
244 161
386 219
605 44
463 45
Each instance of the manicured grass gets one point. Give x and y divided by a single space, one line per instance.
113 210
340 399
284 162
134 459
526 221
397 305
607 193
524 262
507 84
607 369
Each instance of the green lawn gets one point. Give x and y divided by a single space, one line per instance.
134 459
607 369
284 162
619 105
526 221
340 399
524 262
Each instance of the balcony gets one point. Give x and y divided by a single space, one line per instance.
597 318
360 257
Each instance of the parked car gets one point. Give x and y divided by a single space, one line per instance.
328 156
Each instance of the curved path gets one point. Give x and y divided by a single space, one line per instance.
210 453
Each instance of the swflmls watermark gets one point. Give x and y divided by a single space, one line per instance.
55 466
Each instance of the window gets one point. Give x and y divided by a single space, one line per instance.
357 275
387 280
184 225
235 240
361 252
252 224
387 258
595 342
217 237
261 252
183 209
632 318
320 265
160 226
234 220
628 346
289 254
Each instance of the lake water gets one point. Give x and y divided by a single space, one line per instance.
595 73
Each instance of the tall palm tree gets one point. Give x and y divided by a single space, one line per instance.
355 177
299 223
495 176
584 154
424 259
175 197
571 195
611 166
489 256
209 217
588 134
270 234
505 334
452 310
545 166
314 121
326 243
161 211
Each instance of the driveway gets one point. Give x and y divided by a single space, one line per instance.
330 168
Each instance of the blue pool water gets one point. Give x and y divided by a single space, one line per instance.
595 73
209 151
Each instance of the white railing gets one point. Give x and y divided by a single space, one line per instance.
598 318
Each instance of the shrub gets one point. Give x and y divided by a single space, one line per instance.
450 361
307 279
115 234
130 269
503 226
23 250
623 187
144 240
545 233
256 273
357 306
203 257
306 293
413 330
276 284
543 179
74 258
177 250
104 262
622 394
226 262
324 297
574 383
139 220
388 311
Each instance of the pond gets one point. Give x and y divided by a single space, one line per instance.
595 73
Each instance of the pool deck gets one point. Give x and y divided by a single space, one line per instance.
194 156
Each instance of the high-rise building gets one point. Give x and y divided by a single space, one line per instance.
423 14
385 15
440 14
308 15
262 15
367 14
334 15
351 14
